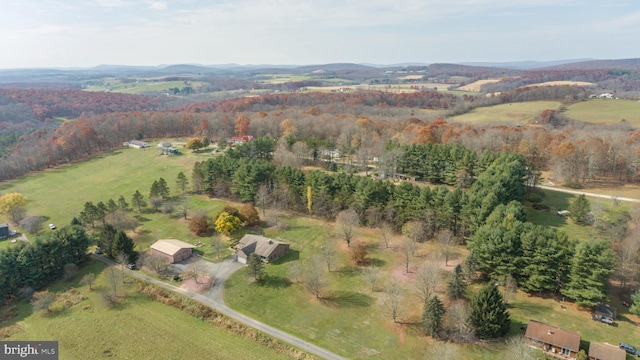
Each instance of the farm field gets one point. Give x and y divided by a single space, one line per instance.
561 83
476 85
605 111
138 328
513 113
142 86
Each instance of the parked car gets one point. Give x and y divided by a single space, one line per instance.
629 349
131 266
52 227
98 251
606 320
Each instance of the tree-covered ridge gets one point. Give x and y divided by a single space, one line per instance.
36 264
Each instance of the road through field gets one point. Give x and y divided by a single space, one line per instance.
215 301
578 192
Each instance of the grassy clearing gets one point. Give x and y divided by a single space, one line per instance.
516 113
142 86
476 85
137 328
59 194
605 111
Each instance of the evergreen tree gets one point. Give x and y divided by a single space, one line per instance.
182 182
589 273
255 267
105 240
111 205
456 285
123 244
579 210
635 300
137 200
122 204
432 316
489 314
163 189
155 189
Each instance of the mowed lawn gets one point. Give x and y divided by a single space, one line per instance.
349 319
605 111
138 328
515 113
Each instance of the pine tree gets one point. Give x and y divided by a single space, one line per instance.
255 267
122 244
589 274
137 200
635 300
432 316
579 210
182 182
489 314
122 204
456 286
163 188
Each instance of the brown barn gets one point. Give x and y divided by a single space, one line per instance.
268 249
554 341
603 351
172 249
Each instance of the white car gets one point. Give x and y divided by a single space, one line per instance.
52 227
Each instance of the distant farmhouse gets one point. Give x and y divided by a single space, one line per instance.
171 249
238 140
268 249
136 144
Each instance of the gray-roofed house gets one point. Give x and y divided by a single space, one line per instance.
268 249
604 351
171 249
554 341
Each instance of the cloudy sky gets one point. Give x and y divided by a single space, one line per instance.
82 33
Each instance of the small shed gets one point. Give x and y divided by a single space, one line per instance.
4 231
604 351
268 249
604 310
171 249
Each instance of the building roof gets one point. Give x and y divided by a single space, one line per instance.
605 310
604 351
553 335
170 246
4 225
261 245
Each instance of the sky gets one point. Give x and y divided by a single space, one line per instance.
86 33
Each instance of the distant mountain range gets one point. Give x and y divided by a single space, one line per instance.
356 71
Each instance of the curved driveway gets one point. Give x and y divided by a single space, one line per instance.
213 298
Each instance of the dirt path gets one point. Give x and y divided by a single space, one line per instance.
578 192
214 299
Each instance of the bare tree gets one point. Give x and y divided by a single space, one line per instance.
42 301
314 276
519 349
447 241
414 230
295 271
183 207
194 270
346 222
158 264
112 281
328 251
393 297
444 351
372 275
122 259
156 202
458 321
168 207
120 220
408 248
510 289
217 244
387 233
263 198
88 279
32 224
427 278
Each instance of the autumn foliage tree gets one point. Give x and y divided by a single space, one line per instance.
250 214
198 224
12 204
227 223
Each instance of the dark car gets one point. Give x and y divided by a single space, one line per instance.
98 251
629 349
131 266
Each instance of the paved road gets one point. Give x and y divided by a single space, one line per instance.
214 299
578 192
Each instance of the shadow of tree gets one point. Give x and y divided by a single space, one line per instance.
292 255
274 282
344 298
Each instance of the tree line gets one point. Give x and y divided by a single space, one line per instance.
38 263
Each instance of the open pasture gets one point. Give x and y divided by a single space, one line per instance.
512 113
605 111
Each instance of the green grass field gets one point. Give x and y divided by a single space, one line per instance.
515 113
605 111
138 328
142 86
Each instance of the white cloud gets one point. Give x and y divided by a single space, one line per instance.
113 3
158 5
